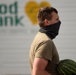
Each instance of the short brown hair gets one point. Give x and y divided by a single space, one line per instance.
45 13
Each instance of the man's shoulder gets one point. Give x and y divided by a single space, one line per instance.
42 37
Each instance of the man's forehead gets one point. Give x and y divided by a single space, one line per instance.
55 15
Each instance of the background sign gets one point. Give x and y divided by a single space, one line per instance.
18 26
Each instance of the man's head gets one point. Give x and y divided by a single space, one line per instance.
47 16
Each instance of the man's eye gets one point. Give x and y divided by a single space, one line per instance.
57 19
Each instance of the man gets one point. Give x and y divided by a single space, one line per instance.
43 53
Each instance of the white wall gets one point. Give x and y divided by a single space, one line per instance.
15 41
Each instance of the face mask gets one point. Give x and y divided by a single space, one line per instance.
51 30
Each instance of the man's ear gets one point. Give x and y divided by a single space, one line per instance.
45 22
